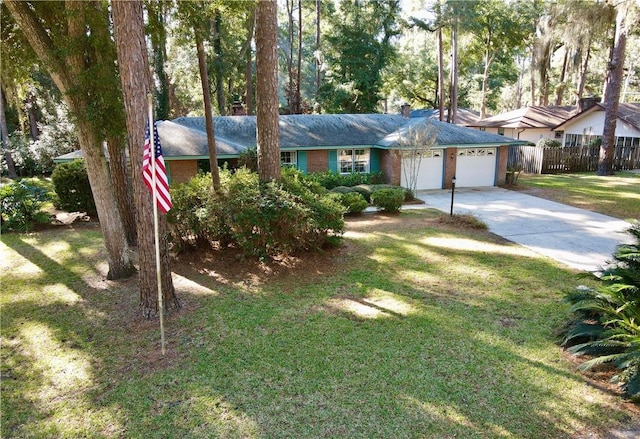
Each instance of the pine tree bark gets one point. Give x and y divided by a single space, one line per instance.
208 111
66 73
615 72
122 188
268 133
136 85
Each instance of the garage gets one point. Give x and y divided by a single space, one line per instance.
476 167
429 169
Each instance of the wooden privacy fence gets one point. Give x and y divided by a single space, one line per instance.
556 160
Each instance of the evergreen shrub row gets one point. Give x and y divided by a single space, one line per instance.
332 179
262 220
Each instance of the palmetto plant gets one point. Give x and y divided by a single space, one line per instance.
606 322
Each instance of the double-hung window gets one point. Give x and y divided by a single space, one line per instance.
288 158
353 160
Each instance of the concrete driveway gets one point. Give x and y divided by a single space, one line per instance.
575 237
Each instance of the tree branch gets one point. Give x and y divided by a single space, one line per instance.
40 42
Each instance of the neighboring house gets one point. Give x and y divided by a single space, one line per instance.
587 126
343 143
528 123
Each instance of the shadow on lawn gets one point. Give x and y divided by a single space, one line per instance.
439 354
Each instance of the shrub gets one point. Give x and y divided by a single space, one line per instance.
548 143
389 200
21 206
353 202
332 179
249 159
262 220
191 222
365 190
606 319
71 183
409 195
341 189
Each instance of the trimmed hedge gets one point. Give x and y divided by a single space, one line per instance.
389 200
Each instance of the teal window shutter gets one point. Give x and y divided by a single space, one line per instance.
374 160
302 161
333 160
167 166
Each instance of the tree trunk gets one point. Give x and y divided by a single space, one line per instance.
218 63
299 66
289 58
440 77
532 75
156 16
32 114
11 167
519 86
66 74
249 79
488 59
133 64
122 188
454 72
208 112
614 84
317 54
583 72
563 74
268 133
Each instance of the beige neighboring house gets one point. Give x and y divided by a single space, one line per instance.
587 126
529 123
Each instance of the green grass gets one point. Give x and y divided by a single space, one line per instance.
617 196
412 329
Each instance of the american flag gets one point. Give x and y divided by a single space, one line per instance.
162 184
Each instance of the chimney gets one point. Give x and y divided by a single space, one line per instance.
405 110
586 103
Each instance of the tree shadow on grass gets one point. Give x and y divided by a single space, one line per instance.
289 357
62 322
342 362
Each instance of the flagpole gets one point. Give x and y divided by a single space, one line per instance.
152 139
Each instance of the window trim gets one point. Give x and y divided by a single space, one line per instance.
359 161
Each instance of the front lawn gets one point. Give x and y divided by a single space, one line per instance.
411 329
617 196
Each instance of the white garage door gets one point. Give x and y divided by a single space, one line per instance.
429 172
476 167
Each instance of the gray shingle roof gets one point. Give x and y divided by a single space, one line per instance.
448 135
186 136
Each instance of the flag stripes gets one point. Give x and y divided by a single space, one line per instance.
162 183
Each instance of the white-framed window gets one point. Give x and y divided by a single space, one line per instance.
501 131
353 160
288 158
